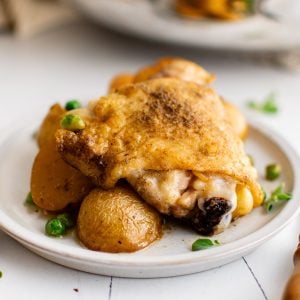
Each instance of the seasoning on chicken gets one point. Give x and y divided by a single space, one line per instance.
172 141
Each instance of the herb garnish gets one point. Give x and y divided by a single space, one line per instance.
202 244
1 274
276 197
268 106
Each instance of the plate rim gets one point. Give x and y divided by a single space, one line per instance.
284 217
167 39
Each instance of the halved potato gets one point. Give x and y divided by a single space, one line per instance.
236 119
117 220
120 80
54 183
50 124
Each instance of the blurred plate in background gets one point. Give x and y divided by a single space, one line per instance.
156 20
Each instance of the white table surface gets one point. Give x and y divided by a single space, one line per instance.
77 61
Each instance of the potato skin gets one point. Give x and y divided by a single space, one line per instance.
117 220
50 124
54 183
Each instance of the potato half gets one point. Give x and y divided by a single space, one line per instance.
117 220
50 124
54 183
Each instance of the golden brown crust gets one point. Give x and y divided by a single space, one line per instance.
161 124
172 67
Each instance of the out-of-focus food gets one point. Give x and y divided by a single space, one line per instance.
117 220
184 70
54 183
267 106
171 140
50 124
218 9
72 104
273 171
119 80
236 119
169 67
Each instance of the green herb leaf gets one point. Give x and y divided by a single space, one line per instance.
277 197
268 106
202 244
1 274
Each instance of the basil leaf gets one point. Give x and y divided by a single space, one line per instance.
277 196
202 244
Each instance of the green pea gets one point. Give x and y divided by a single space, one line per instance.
72 122
29 199
273 171
66 219
55 227
72 104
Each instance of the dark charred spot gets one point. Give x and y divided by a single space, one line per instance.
204 221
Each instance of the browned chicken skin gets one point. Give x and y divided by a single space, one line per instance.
186 70
171 140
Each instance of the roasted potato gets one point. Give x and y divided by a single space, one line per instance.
54 183
236 119
50 124
119 80
117 220
175 68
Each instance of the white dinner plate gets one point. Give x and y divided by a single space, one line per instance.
156 20
169 256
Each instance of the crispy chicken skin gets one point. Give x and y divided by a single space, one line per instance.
162 135
186 70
